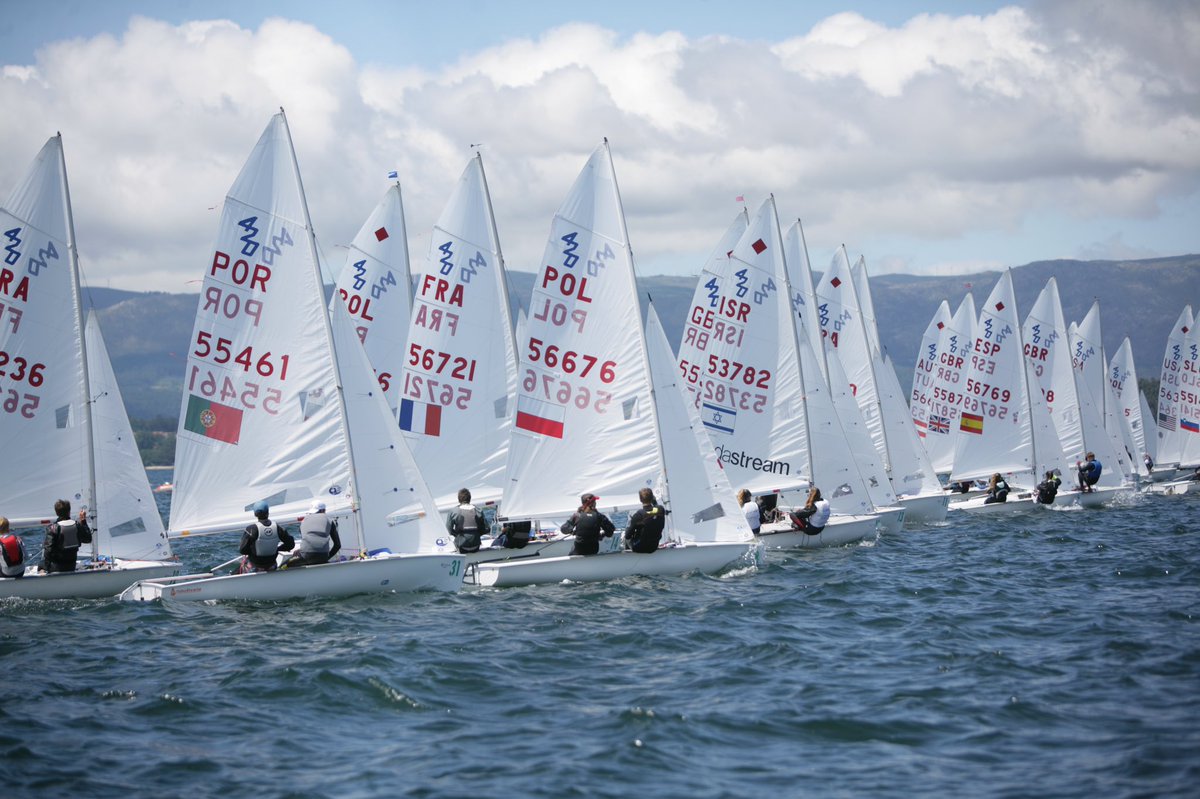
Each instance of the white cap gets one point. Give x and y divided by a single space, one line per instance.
317 507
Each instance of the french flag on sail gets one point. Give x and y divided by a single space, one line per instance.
420 417
543 418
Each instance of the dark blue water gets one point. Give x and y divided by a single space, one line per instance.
1055 654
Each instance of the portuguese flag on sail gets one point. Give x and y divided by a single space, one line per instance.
213 420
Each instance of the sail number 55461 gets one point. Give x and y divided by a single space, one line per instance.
221 352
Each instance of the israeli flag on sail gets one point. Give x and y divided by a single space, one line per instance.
717 417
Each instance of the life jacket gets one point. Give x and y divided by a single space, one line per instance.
267 543
12 556
1047 491
314 533
646 536
468 528
67 539
821 517
587 526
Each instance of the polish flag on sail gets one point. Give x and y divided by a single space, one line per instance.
543 418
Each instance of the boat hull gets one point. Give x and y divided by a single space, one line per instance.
891 519
840 531
534 549
925 508
85 584
1173 489
393 573
1023 502
707 558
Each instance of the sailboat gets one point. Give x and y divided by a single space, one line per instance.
1123 382
746 359
376 287
943 399
1090 366
1178 429
589 417
281 405
64 421
459 377
1005 426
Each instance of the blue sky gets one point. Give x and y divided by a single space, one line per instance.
930 137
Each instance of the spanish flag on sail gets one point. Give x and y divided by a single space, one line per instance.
970 423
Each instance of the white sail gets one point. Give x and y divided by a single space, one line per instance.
912 472
260 419
696 491
42 404
945 397
738 358
127 524
866 305
844 331
1189 401
1123 383
1091 364
584 420
804 298
460 371
996 434
1150 430
1087 358
1048 354
376 286
396 510
1170 434
920 399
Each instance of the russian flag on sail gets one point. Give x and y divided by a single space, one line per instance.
1189 425
543 418
420 417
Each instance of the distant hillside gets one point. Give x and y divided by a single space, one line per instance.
147 333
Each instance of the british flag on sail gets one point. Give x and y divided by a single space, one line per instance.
939 424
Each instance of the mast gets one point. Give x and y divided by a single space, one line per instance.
90 498
641 330
508 320
408 282
337 371
787 289
862 323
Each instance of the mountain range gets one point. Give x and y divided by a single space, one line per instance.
148 332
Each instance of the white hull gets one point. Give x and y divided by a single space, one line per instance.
891 519
707 557
925 508
1173 489
1023 501
392 573
85 583
841 530
534 549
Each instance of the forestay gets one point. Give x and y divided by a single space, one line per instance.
376 287
738 358
259 418
584 420
460 369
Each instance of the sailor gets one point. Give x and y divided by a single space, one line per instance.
813 517
12 552
261 541
61 544
646 524
588 525
1047 490
319 540
997 490
466 523
1149 462
1089 473
750 508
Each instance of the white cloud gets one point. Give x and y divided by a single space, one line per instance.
930 131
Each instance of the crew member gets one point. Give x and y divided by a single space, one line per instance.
61 544
319 539
588 525
646 525
750 508
1047 490
466 524
12 552
262 540
997 490
1089 473
813 517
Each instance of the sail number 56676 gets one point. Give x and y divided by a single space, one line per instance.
569 361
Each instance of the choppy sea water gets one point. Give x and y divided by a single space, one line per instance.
1052 654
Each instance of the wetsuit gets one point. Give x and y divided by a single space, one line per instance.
588 526
646 528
